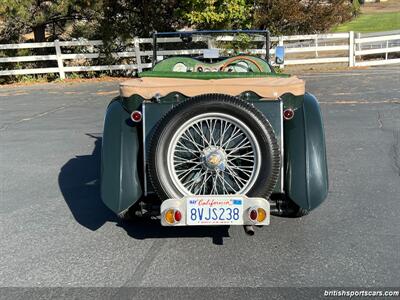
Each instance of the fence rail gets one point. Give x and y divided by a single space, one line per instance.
350 48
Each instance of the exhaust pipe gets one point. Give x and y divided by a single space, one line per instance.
249 229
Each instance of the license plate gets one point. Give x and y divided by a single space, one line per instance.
218 211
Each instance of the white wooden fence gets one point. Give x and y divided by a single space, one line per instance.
348 48
375 45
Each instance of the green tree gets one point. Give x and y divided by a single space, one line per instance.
129 18
124 19
24 16
301 17
219 14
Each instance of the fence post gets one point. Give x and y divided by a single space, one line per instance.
351 49
137 54
280 43
387 46
209 43
59 59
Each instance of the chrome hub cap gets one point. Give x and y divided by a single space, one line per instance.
214 158
213 154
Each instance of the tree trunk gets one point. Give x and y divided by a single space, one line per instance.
39 33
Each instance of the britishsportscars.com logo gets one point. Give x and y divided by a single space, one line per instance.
361 293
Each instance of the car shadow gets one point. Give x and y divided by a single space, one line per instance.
79 182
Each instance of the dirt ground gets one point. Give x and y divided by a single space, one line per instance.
319 68
388 6
293 70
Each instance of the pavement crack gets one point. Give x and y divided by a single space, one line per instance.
5 126
33 117
396 150
143 266
379 119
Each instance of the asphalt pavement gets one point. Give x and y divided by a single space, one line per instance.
55 231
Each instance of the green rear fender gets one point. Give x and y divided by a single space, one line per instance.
306 172
120 184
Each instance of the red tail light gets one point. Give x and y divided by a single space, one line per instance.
136 116
253 214
178 215
288 114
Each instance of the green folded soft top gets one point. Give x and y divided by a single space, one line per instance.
210 75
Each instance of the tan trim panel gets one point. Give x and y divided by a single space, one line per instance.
266 87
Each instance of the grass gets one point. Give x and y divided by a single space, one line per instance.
374 22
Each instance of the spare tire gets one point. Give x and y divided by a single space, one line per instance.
211 145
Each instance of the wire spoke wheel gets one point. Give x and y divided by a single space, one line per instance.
213 154
214 144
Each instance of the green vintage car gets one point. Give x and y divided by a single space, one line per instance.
213 139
